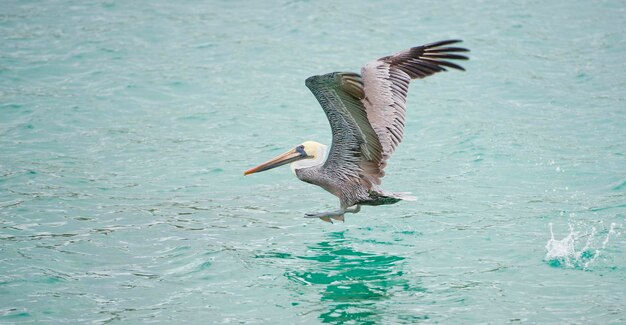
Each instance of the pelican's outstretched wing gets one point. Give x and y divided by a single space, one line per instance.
386 82
356 153
366 114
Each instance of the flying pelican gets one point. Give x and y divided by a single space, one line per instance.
366 115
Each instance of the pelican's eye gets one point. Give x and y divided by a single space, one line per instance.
300 150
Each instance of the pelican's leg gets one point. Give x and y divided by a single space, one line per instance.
328 216
356 209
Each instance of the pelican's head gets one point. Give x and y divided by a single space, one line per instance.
307 154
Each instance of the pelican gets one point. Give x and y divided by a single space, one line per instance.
366 114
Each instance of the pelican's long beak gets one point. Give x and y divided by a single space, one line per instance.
288 157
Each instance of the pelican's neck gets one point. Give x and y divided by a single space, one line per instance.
321 153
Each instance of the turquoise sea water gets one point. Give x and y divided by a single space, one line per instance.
125 127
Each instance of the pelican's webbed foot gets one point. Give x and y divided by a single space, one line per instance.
329 216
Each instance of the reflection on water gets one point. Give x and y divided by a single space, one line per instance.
353 284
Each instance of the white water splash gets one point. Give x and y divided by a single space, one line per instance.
565 252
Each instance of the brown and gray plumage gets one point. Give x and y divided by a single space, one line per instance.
366 114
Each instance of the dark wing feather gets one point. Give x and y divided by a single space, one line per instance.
386 82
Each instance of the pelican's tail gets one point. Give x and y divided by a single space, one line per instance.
405 196
382 197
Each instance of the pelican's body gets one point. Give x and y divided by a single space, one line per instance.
366 114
